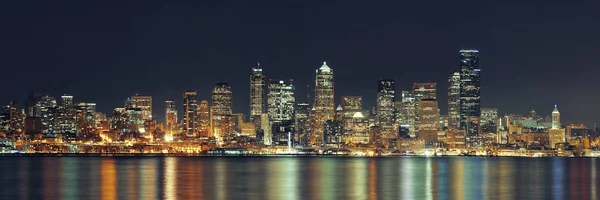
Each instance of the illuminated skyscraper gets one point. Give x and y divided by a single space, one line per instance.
470 110
281 100
48 109
556 133
204 120
386 92
190 110
409 112
257 102
145 104
85 117
324 105
429 118
454 99
33 106
220 109
66 117
170 118
301 116
350 106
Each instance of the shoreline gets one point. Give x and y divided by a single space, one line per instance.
247 155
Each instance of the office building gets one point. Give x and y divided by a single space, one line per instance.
324 101
454 100
470 110
190 111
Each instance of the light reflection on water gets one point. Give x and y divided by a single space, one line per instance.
297 178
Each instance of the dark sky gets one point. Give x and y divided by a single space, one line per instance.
532 55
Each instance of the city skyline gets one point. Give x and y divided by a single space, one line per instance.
407 42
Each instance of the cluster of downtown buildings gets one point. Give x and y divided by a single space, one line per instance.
407 119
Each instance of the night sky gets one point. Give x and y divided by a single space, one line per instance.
532 55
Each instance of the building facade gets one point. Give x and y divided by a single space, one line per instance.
324 101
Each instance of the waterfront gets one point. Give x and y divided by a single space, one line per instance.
298 178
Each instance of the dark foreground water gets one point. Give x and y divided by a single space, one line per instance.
297 178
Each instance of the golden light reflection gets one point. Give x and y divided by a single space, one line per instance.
428 185
221 181
285 179
458 176
372 179
170 178
407 187
132 183
109 179
149 179
359 175
328 177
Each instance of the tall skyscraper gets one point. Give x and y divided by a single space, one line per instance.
556 133
66 117
170 119
145 104
409 112
324 104
221 109
48 109
301 116
429 118
204 120
386 93
257 102
85 117
281 100
281 110
33 106
190 110
454 99
470 110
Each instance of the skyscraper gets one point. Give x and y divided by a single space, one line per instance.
301 116
454 99
281 100
556 133
204 120
145 104
324 105
170 118
257 102
386 91
470 109
221 109
48 110
190 110
281 110
429 117
66 117
409 112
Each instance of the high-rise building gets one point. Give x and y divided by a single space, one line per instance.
409 112
66 117
301 116
145 104
190 110
48 109
204 129
17 118
429 117
220 109
170 118
85 117
386 91
257 102
281 100
426 90
556 133
454 100
324 104
350 106
470 110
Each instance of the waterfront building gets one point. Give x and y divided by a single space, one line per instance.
257 101
386 91
222 97
556 133
454 99
429 117
203 124
170 119
470 110
190 111
324 101
144 103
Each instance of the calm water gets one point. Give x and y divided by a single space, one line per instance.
297 178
